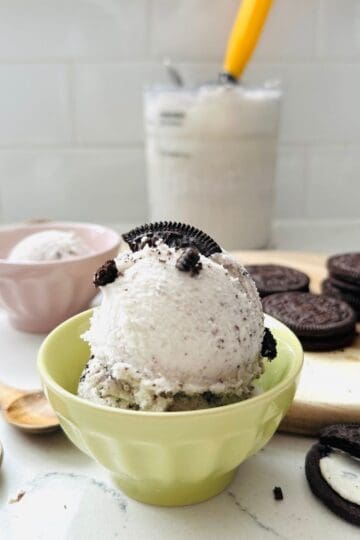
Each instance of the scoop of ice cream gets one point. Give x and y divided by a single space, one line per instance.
175 330
49 245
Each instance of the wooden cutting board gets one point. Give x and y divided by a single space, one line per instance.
329 388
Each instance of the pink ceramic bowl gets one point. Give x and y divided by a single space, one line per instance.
39 295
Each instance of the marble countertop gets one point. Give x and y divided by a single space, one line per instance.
49 489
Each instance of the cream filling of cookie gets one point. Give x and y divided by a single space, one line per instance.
342 472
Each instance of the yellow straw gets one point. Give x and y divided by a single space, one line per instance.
245 34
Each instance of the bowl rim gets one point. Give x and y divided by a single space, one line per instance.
294 371
113 235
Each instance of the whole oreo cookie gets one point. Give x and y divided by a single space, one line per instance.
344 508
177 235
275 278
329 288
320 322
345 267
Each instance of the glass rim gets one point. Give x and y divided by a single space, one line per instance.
274 90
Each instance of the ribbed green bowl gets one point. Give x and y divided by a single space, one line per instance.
167 459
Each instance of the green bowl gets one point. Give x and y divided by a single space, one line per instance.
167 459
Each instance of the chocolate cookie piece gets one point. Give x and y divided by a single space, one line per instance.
320 322
329 288
275 278
278 493
268 347
107 273
345 437
345 509
189 261
177 235
345 267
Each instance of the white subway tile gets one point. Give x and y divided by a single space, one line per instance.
323 235
191 29
333 183
290 183
72 29
34 104
290 31
339 29
109 101
91 185
320 101
199 29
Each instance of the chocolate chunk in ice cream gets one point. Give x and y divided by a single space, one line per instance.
107 273
268 348
189 261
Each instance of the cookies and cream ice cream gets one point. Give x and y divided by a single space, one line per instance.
49 245
180 327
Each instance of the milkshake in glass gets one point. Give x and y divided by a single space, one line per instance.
211 156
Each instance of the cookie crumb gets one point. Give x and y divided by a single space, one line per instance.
107 273
268 347
278 493
189 261
18 497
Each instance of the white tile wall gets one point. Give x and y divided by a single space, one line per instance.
72 29
290 31
339 29
89 185
71 76
290 194
334 182
320 100
108 101
199 29
34 104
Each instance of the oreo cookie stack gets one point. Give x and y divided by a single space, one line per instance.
276 278
321 323
344 279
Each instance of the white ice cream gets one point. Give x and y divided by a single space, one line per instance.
51 245
162 337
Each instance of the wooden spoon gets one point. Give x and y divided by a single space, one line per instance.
27 410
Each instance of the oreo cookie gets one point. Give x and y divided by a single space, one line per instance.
320 322
329 287
344 437
345 267
333 475
345 286
326 344
275 278
177 235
